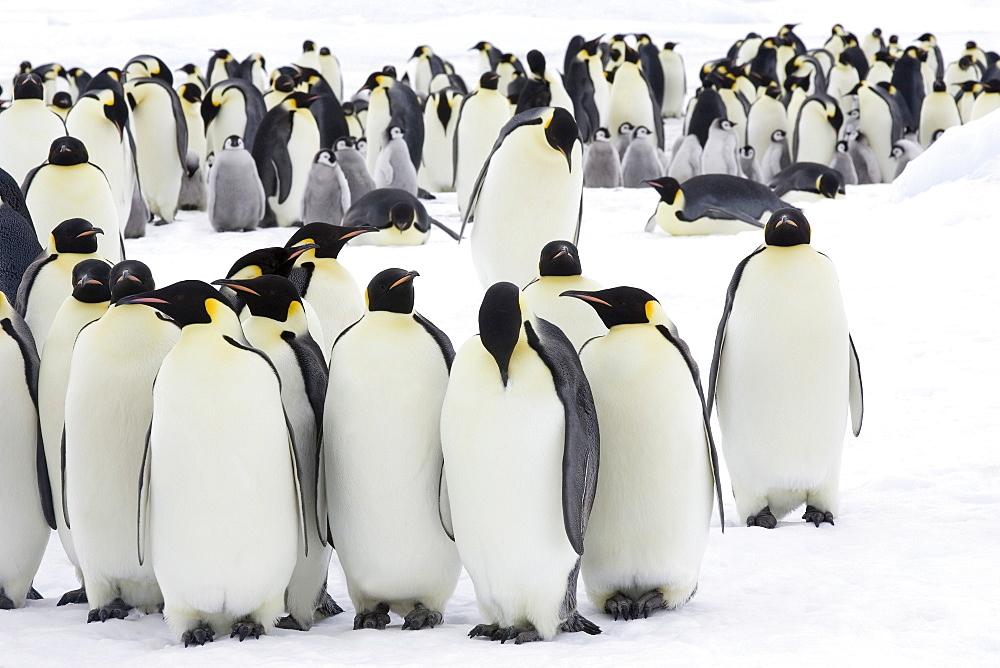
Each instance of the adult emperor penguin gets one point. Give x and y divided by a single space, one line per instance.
674 81
329 65
602 165
278 327
658 457
88 302
784 373
393 102
27 128
394 446
437 171
232 107
640 161
517 390
428 65
711 204
25 497
221 66
401 219
393 168
529 192
19 245
632 101
109 403
287 140
480 118
229 575
559 270
544 87
817 129
766 115
236 199
148 66
327 195
807 182
881 124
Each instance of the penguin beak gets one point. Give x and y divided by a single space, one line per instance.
299 250
786 220
409 277
585 297
561 253
141 300
360 230
92 232
235 286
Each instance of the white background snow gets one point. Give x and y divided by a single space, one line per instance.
909 572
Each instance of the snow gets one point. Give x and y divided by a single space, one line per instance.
908 572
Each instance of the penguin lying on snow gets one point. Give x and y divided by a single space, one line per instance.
808 181
401 218
711 204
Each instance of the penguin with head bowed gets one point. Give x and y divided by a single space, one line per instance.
401 219
508 69
987 100
236 199
393 168
393 102
278 327
26 513
281 87
807 182
327 195
817 128
521 448
481 116
602 165
711 204
89 300
659 468
148 66
109 403
27 128
19 245
229 575
784 374
632 99
231 107
641 161
529 192
62 102
49 73
392 445
351 157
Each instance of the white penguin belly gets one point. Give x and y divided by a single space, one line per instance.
160 168
480 125
704 225
230 120
302 146
59 193
27 130
578 321
107 150
336 297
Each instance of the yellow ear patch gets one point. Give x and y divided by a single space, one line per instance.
296 307
214 308
650 309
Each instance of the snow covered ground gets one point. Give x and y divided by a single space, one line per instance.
908 574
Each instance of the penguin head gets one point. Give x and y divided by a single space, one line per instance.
641 132
113 104
62 100
667 187
481 46
377 80
842 146
625 129
267 296
130 277
325 156
559 258
590 47
67 151
562 133
90 281
273 260
778 136
669 46
233 142
421 51
284 84
75 235
536 63
323 51
828 185
394 132
190 68
747 153
361 144
186 303
343 143
602 134
28 87
297 100
631 55
787 227
500 321
489 80
328 239
402 215
391 290
623 305
190 92
222 54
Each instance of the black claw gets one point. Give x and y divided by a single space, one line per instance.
74 596
198 635
619 605
5 602
422 617
33 595
288 622
483 630
376 619
246 628
326 606
577 622
763 519
817 516
647 603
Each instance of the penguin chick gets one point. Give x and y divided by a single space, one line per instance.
641 161
393 168
236 199
327 195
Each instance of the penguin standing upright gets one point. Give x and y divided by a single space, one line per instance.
817 129
518 390
480 118
236 199
329 65
881 122
19 245
233 107
193 181
287 140
428 66
640 161
632 101
844 163
602 166
658 457
352 164
784 373
109 403
392 445
229 575
437 171
27 128
393 168
776 157
674 81
221 66
543 88
938 113
393 102
719 154
529 192
766 115
327 195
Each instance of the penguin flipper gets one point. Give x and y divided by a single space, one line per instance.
143 505
62 476
444 505
27 281
444 343
44 484
447 230
322 510
720 213
857 395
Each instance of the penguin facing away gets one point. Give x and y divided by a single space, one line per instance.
480 118
19 245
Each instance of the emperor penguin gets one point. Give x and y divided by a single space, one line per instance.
881 124
148 66
26 512
632 101
393 102
964 69
938 113
719 154
236 199
109 403
784 373
327 195
88 302
49 73
400 218
674 81
482 115
602 166
807 182
287 140
749 167
872 43
437 171
392 445
282 86
393 168
489 56
193 195
965 99
233 107
428 66
48 280
161 136
229 575
843 78
987 101
19 245
354 126
221 67
580 87
27 128
508 69
329 66
62 102
766 115
659 468
352 164
521 447
192 76
711 204
278 327
640 161
559 270
544 87
817 129
529 192
252 69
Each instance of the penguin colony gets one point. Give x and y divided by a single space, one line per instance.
542 487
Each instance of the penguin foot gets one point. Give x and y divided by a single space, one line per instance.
578 622
519 634
647 603
289 623
74 596
33 595
326 606
5 603
817 516
199 635
619 605
376 619
486 630
246 628
422 617
763 519
116 609
159 222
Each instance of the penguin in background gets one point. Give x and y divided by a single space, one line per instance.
965 99
393 102
283 85
872 43
882 125
837 41
393 168
935 62
522 379
278 327
192 75
89 300
27 128
395 353
865 163
844 163
881 69
635 563
253 69
844 77
489 56
250 467
19 245
987 101
236 198
483 113
147 66
49 73
221 67
233 107
329 65
905 151
26 513
719 155
711 204
649 61
508 69
785 372
602 167
806 182
193 195
581 88
959 72
401 219
909 83
79 79
707 106
817 129
623 138
437 171
189 97
641 161
938 113
327 195
632 100
777 157
428 66
352 163
354 127
543 88
766 115
749 167
62 102
109 403
674 81
893 48
538 156
325 107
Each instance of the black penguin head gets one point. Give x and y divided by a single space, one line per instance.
190 92
186 303
391 290
308 46
190 68
222 54
481 46
90 281
666 186
324 51
591 46
376 79
233 142
747 152
130 277
402 215
298 100
67 151
62 100
828 185
389 71
536 62
631 55
28 87
669 46
267 296
114 105
618 306
284 84
778 136
787 227
75 235
329 239
559 258
562 133
489 80
500 324
421 50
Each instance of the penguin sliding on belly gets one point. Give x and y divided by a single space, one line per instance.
400 217
711 204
